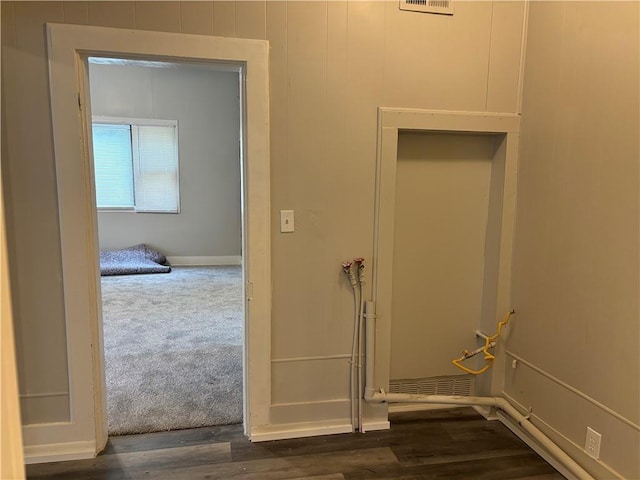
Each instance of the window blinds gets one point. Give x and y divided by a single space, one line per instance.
113 165
156 168
136 166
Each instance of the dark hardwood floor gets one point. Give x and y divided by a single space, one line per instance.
429 445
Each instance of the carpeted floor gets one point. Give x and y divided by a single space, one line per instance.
173 349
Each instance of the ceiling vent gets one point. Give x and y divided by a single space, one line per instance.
443 7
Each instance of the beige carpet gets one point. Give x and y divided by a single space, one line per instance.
173 349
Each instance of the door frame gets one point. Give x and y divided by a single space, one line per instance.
498 249
69 46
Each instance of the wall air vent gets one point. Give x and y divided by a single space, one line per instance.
452 385
443 7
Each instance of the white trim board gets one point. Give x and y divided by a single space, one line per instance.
299 430
205 261
69 46
59 452
374 426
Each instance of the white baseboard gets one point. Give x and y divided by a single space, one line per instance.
298 430
373 426
489 413
58 452
204 261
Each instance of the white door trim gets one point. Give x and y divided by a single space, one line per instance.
498 252
69 46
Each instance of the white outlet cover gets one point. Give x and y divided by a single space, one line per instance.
592 443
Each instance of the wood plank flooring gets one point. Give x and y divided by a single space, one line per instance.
426 445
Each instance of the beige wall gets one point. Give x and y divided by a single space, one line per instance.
206 104
331 65
576 263
33 235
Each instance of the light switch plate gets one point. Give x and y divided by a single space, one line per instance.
286 221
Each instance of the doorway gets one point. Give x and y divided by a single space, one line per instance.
70 46
167 165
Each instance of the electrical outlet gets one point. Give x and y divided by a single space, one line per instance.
592 443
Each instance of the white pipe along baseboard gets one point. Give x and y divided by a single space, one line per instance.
497 402
373 395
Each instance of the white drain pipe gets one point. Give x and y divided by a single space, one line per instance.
380 396
370 341
353 394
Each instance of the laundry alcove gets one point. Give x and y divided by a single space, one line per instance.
445 197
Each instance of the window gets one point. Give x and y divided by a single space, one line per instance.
136 165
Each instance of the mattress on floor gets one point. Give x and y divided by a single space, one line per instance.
138 259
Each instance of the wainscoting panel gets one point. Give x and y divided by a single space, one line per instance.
290 380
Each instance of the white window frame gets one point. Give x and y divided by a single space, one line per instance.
134 123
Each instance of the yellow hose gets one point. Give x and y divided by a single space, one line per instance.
487 355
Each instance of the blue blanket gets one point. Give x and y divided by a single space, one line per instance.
133 260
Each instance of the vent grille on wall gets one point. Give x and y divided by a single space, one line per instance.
454 385
443 7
